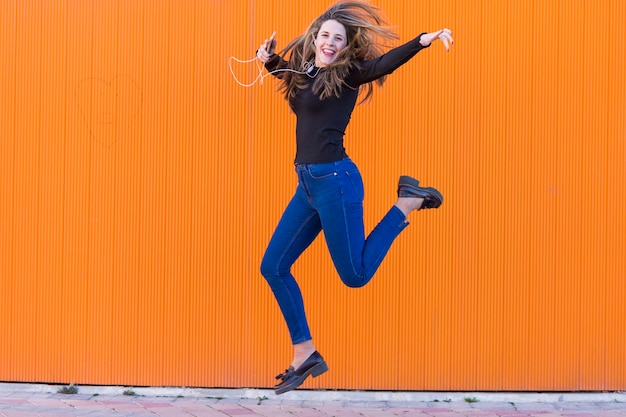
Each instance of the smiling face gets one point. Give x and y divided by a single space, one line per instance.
331 39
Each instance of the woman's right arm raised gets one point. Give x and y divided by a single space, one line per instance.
266 50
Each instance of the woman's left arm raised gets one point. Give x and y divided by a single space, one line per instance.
385 64
444 34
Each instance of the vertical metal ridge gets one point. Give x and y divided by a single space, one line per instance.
8 117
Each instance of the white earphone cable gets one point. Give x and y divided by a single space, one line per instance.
259 77
307 68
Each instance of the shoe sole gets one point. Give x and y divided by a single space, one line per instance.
315 371
432 197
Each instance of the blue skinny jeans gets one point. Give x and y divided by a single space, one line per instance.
328 197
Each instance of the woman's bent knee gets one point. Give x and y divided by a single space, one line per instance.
270 269
354 281
267 269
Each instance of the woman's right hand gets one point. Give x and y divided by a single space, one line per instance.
266 50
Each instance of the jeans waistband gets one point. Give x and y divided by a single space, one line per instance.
303 166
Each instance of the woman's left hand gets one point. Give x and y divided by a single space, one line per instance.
444 34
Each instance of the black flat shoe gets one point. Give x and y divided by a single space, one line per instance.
291 379
410 187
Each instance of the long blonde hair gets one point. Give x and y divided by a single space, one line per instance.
366 31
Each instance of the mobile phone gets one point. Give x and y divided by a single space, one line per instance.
269 47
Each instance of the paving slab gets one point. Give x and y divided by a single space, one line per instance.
40 400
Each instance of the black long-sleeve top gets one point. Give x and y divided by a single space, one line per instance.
321 124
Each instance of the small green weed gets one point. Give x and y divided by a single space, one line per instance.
68 389
471 399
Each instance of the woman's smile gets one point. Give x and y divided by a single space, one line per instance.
331 39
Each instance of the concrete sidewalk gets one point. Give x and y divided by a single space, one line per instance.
25 400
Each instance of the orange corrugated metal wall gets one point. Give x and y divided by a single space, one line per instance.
139 185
